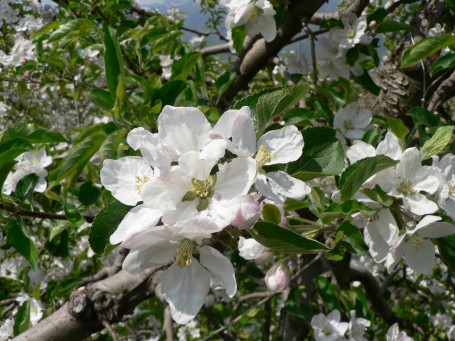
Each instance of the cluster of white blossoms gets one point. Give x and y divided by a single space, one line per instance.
33 162
423 191
256 15
331 51
194 180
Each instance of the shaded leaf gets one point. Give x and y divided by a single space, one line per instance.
426 47
437 143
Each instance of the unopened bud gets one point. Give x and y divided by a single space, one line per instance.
277 278
248 212
373 24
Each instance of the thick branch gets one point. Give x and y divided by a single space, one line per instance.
356 7
106 300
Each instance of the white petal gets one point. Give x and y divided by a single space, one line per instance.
378 247
426 179
421 258
250 248
238 125
360 150
286 143
144 239
283 184
419 204
185 289
267 188
195 167
235 179
219 266
138 219
390 146
120 178
140 260
183 129
436 230
410 162
264 25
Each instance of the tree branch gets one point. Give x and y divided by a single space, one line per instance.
356 7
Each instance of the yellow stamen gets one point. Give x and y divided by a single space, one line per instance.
263 156
141 181
406 187
184 253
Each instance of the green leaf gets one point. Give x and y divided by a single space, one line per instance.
356 174
69 27
450 4
397 127
73 215
105 224
368 83
425 48
446 248
26 186
108 149
437 143
223 82
88 193
393 26
46 28
421 116
58 229
327 293
279 239
169 92
238 37
102 98
78 157
11 149
18 238
4 171
22 319
271 213
113 60
273 103
378 195
353 237
444 62
183 67
347 208
323 154
43 135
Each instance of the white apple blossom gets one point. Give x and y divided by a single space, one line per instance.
36 308
329 328
409 179
249 248
166 65
257 16
352 121
390 147
33 162
125 178
186 283
351 34
7 329
277 277
274 147
447 190
417 248
248 211
357 328
394 334
331 59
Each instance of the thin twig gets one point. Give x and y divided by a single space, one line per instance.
109 270
167 324
42 215
109 328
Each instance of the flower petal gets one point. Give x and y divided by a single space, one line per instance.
286 143
124 178
185 289
250 248
420 258
138 219
282 184
220 267
183 129
139 260
235 179
419 204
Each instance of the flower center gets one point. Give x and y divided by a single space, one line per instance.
416 242
202 190
255 13
141 181
406 187
327 329
452 188
351 33
184 253
263 156
348 125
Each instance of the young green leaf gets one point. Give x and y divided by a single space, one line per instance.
183 67
426 47
356 174
26 186
323 154
279 239
393 26
273 103
271 213
22 319
397 127
18 238
437 143
446 247
444 62
105 223
113 60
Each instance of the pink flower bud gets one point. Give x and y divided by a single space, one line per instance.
265 256
373 24
277 278
248 212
